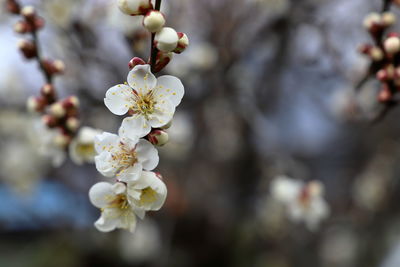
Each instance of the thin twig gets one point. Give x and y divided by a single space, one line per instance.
39 58
154 50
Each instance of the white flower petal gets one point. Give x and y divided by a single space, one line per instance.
100 194
106 142
105 164
131 174
141 79
157 197
119 99
135 126
139 212
106 224
147 155
163 114
170 87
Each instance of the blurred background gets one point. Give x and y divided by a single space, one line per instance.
269 91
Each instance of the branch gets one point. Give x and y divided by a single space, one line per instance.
154 50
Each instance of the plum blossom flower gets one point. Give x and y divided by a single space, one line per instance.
304 202
124 156
81 148
116 212
151 101
147 193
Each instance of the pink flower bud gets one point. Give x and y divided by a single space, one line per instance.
385 94
22 27
388 19
27 48
71 102
166 39
57 110
136 61
372 20
48 92
376 54
53 66
182 43
49 121
135 7
154 21
158 137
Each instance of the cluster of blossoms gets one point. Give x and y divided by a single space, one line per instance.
384 53
150 103
60 116
303 201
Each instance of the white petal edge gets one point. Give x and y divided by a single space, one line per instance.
170 87
119 99
141 79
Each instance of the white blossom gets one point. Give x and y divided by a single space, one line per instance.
166 39
134 7
150 100
116 212
124 156
81 149
304 202
147 193
51 144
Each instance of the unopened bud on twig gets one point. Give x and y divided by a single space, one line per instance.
57 110
154 21
162 60
28 12
388 19
136 61
135 7
182 43
72 124
392 45
27 48
35 104
13 7
166 39
53 66
158 137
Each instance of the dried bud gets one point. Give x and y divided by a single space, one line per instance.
136 61
27 48
22 27
388 19
162 60
13 7
135 7
371 21
166 39
158 137
50 121
154 21
72 124
28 12
35 104
57 110
392 45
182 43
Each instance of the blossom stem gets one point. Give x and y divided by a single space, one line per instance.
35 41
154 50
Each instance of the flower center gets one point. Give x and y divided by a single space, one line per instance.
149 195
124 158
144 104
119 202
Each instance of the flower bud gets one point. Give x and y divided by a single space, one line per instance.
49 121
162 60
35 104
27 48
136 61
53 66
392 45
372 20
13 7
28 12
376 54
158 137
72 124
166 39
57 110
385 94
134 7
71 102
22 27
38 23
388 19
154 21
62 140
182 43
48 92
